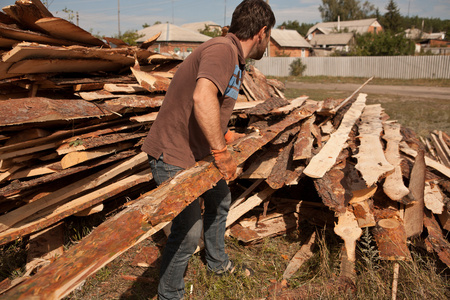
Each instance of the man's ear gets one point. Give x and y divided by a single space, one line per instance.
261 32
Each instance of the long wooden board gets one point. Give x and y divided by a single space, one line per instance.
64 29
63 66
326 158
148 215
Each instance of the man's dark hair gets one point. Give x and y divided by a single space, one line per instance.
249 17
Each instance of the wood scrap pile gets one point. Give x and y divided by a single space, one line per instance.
74 115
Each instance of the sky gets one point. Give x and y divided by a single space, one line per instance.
102 16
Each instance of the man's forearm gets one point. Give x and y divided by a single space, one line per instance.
207 113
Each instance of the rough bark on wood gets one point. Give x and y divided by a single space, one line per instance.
428 161
435 239
304 143
413 218
325 159
277 178
300 257
157 207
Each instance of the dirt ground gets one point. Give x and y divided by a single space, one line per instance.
414 91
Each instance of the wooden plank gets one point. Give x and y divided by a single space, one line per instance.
441 151
27 134
372 163
137 101
144 118
63 66
394 186
27 12
247 192
53 214
152 83
428 161
88 183
97 141
413 217
277 177
31 36
325 159
148 215
300 257
295 103
7 43
123 88
248 204
64 29
75 158
304 144
46 244
435 239
267 227
433 198
26 51
261 168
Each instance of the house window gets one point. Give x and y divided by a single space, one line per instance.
303 52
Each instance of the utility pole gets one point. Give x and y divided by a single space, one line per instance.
118 16
225 14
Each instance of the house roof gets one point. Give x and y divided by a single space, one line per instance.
171 33
197 26
289 38
331 39
416 34
359 26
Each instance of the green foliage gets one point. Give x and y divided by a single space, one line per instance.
297 67
382 44
345 9
392 18
145 25
212 33
129 37
70 14
295 25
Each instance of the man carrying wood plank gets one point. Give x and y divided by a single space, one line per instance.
191 124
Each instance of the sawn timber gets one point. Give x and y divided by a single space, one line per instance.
148 215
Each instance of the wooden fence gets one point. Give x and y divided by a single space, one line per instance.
400 67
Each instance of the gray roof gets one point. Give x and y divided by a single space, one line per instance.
359 26
417 34
171 33
331 39
289 38
197 26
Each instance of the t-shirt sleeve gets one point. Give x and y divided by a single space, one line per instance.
217 64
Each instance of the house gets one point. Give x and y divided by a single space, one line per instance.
288 42
199 26
326 44
355 26
433 42
173 38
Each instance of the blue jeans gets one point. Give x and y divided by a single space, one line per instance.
186 231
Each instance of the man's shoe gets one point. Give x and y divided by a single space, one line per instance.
232 268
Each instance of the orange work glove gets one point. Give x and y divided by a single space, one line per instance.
225 163
231 136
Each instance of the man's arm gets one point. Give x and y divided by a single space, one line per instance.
207 114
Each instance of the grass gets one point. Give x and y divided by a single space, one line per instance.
425 277
374 81
423 115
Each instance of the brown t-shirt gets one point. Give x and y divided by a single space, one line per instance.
175 132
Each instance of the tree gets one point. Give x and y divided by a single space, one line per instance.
330 10
384 43
212 33
301 28
392 18
129 37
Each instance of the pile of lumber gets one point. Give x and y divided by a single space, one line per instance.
75 110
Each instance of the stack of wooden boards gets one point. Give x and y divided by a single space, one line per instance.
74 113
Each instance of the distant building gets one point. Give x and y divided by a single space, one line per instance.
288 42
173 39
355 26
200 26
433 42
326 44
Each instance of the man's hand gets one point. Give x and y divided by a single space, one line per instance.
231 136
225 163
